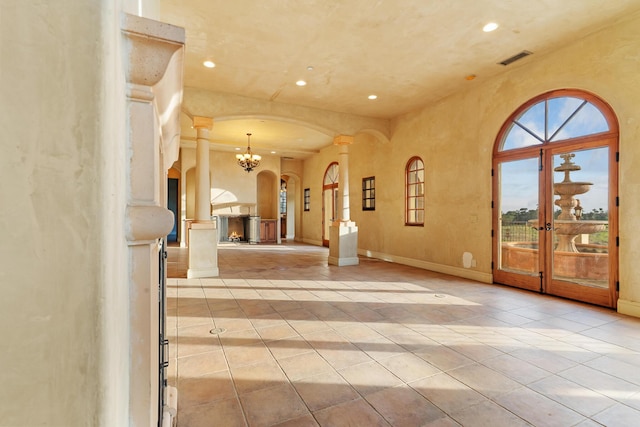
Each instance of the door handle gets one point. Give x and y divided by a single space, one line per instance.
546 227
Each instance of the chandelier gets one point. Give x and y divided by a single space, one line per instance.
248 161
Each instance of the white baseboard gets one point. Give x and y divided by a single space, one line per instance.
466 273
440 268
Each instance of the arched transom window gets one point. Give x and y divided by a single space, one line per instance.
553 120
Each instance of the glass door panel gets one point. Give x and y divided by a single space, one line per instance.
327 214
518 222
581 241
329 198
330 210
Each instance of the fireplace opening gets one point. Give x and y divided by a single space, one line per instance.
236 229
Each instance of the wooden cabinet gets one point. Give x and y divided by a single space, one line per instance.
268 229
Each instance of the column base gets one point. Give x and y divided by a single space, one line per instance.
201 274
341 262
343 244
203 250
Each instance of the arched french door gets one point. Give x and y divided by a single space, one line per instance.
555 198
329 200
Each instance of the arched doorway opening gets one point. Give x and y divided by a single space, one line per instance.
290 221
329 200
555 198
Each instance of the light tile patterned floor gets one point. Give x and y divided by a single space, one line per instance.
379 344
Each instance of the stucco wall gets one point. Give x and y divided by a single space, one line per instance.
455 138
267 191
64 316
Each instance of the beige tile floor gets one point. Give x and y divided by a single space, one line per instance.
307 344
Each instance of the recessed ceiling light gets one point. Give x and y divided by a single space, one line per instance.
490 27
237 148
310 68
373 96
301 83
273 152
209 64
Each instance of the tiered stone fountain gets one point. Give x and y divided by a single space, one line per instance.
590 268
567 226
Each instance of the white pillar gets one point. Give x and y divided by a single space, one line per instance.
343 233
203 235
203 186
343 180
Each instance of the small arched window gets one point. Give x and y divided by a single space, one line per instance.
414 192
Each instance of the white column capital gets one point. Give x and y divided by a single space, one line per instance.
202 122
343 140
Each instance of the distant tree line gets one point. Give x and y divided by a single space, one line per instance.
521 215
600 214
524 215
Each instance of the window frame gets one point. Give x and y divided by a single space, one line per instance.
283 198
413 202
306 198
369 193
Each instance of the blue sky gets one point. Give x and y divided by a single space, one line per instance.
519 179
588 120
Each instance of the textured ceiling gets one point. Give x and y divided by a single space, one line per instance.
407 52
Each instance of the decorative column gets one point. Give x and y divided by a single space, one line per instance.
154 86
202 126
203 235
343 233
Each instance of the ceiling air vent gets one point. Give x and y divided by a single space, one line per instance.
515 57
